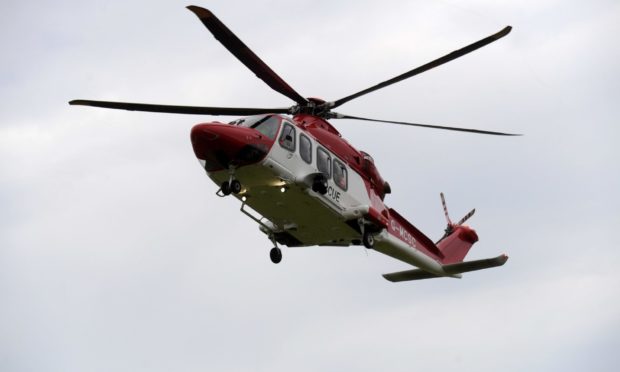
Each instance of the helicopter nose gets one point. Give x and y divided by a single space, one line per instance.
223 145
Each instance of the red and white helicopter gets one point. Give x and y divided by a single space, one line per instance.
304 184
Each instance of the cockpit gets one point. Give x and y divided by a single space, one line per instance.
268 125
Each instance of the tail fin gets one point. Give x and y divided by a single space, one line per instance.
456 245
458 239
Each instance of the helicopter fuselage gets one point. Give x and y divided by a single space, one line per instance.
306 185
278 161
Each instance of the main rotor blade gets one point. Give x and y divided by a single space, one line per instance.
438 62
192 110
245 55
341 116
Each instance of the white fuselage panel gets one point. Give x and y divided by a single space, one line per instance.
312 218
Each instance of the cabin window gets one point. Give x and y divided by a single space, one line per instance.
287 137
340 174
305 148
268 127
323 162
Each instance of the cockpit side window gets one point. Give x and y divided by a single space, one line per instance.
287 137
323 162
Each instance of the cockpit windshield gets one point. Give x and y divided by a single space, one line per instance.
266 124
249 121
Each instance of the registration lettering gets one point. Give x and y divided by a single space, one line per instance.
404 235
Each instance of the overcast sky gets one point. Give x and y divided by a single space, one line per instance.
116 254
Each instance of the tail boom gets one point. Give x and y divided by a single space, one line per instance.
414 254
403 241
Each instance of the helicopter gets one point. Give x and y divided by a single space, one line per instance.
304 184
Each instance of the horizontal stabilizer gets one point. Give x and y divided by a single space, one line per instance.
451 270
415 274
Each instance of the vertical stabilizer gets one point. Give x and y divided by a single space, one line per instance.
458 239
456 245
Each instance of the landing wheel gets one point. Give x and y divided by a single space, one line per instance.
276 255
225 187
368 240
235 186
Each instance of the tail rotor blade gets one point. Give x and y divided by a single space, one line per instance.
467 216
445 209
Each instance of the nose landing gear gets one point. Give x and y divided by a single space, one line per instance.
235 186
232 185
229 187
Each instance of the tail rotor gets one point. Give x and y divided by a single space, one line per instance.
450 225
